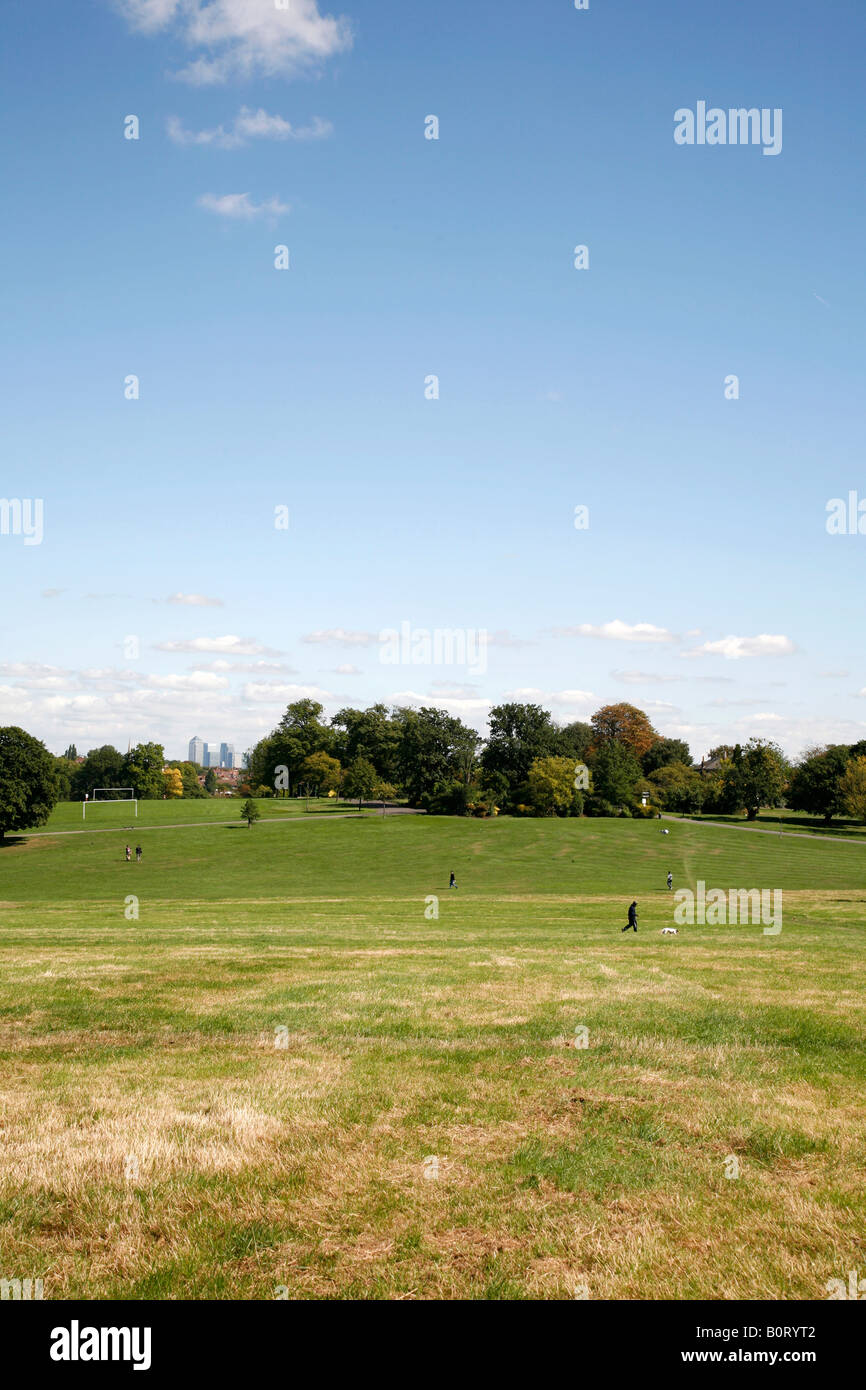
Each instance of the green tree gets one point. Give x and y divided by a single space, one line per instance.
816 782
360 779
551 785
250 812
65 769
854 788
434 748
615 773
71 753
677 788
28 781
754 777
103 767
210 781
663 753
573 741
369 733
321 772
519 733
142 769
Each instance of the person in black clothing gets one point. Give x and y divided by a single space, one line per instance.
632 918
670 880
138 853
453 883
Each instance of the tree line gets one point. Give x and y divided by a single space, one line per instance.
616 764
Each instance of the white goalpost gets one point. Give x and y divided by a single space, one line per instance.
105 795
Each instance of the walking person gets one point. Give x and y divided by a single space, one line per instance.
632 918
128 854
453 883
670 881
138 854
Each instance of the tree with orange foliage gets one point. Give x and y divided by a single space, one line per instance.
626 724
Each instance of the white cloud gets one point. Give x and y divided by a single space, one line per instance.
251 668
735 648
348 670
572 699
644 678
243 38
195 600
617 631
273 691
340 637
226 646
197 680
239 207
248 125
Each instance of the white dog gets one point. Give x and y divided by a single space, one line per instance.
669 931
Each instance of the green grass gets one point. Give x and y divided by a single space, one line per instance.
156 1040
116 815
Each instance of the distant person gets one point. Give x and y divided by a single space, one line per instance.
670 881
632 918
138 853
453 883
128 854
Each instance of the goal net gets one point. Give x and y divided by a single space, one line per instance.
113 796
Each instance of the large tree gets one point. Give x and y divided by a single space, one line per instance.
103 767
519 733
551 786
663 753
816 782
754 777
434 748
615 773
321 773
275 761
28 781
142 770
360 779
369 733
626 724
677 788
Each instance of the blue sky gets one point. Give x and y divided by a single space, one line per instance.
706 588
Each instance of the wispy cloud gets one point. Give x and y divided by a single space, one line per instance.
242 38
617 631
735 648
248 125
239 207
227 646
339 636
195 600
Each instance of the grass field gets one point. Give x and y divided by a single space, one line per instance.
282 1076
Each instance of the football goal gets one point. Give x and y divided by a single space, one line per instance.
102 796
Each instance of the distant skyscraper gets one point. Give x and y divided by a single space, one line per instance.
227 755
212 757
196 751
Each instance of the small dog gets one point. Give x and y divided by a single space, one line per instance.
669 931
